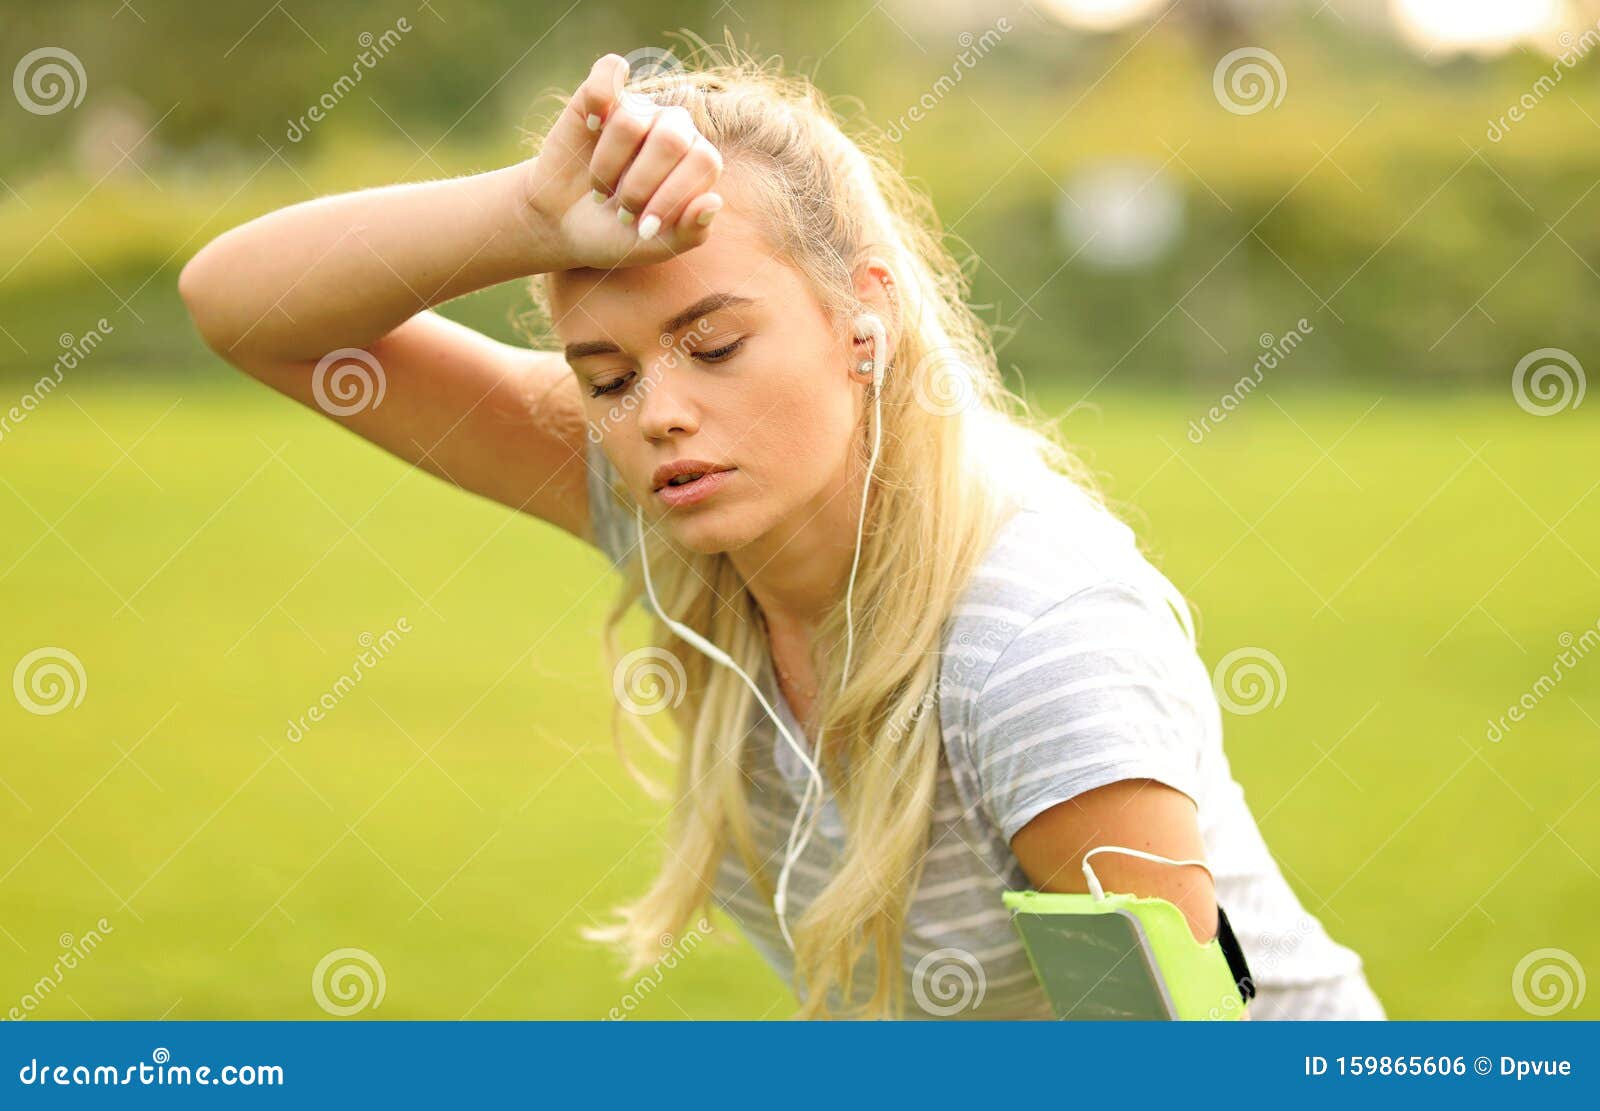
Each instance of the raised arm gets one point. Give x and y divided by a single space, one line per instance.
329 300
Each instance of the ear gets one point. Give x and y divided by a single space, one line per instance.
875 286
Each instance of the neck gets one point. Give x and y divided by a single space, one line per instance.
799 570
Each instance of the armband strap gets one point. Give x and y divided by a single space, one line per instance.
1236 962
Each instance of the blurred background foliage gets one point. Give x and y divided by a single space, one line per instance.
1381 515
1370 195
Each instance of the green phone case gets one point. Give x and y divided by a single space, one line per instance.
1089 957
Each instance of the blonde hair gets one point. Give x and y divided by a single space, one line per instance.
955 441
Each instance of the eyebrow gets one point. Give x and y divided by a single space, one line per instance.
703 307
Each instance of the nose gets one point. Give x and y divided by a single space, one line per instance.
665 408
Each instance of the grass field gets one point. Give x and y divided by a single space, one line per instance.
212 554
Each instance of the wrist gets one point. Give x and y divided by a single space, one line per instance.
534 237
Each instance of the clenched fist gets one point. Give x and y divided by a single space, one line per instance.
620 180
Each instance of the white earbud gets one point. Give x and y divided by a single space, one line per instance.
870 326
867 326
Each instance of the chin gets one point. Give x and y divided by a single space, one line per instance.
702 531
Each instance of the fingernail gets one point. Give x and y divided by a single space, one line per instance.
625 216
705 217
649 226
593 121
598 195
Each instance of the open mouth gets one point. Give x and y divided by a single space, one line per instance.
693 486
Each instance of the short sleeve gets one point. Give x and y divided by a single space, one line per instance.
613 531
1104 685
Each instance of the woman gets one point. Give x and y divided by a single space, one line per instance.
772 390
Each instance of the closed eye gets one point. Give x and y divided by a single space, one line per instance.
719 354
609 387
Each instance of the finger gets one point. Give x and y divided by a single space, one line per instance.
621 138
593 99
672 134
695 173
694 226
597 96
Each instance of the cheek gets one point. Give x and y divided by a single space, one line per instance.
803 428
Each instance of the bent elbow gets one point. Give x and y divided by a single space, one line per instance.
196 289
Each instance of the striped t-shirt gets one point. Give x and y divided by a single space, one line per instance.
1068 663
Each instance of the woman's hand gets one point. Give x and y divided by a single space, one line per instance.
620 181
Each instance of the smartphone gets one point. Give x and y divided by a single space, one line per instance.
1125 957
1096 967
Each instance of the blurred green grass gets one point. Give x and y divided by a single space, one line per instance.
211 553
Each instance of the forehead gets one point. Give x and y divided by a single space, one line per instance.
737 258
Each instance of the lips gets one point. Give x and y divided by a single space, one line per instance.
695 490
683 470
